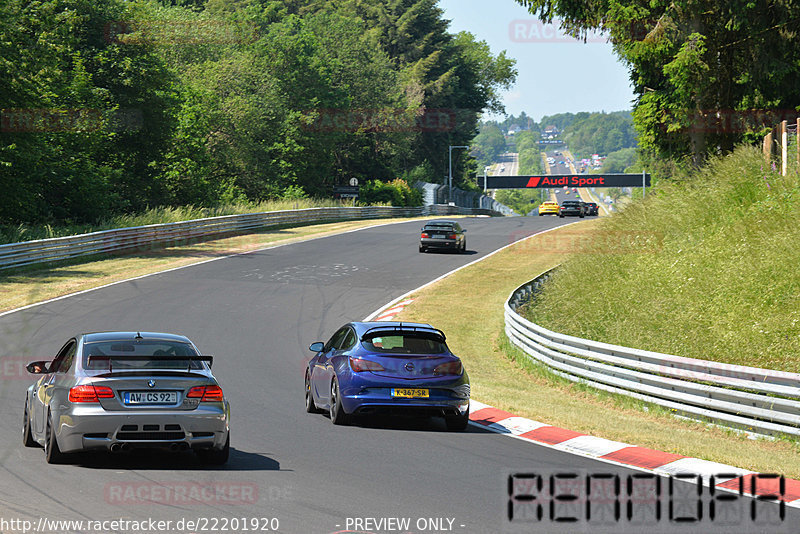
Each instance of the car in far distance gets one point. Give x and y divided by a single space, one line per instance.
386 368
572 208
591 208
548 208
443 235
116 391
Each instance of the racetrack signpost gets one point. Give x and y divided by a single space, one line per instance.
345 191
564 180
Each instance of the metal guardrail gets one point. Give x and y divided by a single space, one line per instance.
747 398
108 241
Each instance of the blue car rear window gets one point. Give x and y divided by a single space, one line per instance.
403 344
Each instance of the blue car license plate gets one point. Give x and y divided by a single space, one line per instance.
409 392
150 397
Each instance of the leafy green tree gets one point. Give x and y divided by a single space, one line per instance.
86 115
488 144
699 69
600 133
620 160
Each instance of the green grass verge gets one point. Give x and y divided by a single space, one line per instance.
502 376
704 268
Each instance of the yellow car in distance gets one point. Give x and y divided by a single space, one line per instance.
548 208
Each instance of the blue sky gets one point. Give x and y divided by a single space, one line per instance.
556 75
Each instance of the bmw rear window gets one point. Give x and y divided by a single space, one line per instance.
404 344
116 354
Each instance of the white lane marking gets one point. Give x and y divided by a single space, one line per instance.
474 406
704 468
445 275
301 240
518 425
593 445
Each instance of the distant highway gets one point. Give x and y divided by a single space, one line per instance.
507 165
565 164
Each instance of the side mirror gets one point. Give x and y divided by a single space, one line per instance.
464 230
317 346
37 368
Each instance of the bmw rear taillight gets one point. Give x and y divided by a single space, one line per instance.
423 235
90 393
452 236
359 366
449 368
205 393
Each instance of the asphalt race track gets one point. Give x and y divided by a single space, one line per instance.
257 313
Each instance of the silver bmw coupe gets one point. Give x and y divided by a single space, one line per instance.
115 391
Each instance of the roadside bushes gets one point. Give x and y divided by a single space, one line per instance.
396 193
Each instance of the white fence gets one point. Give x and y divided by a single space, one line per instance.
107 241
748 398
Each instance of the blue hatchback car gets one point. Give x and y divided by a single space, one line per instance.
387 368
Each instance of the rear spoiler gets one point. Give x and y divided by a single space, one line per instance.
142 358
421 331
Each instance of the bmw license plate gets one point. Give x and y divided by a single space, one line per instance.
150 397
409 392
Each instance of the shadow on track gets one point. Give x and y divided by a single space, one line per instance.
410 423
145 459
447 251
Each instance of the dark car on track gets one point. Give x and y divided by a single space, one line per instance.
386 368
591 208
443 235
572 208
115 391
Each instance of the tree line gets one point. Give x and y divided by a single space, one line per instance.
113 106
706 75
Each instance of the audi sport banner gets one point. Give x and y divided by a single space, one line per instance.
564 180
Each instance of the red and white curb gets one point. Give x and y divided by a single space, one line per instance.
666 464
641 458
389 313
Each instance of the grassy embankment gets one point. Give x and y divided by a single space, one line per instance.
705 271
722 283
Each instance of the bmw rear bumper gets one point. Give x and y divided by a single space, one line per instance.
439 243
93 428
